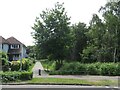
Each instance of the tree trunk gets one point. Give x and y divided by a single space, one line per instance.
114 57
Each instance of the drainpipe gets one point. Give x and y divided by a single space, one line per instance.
20 64
21 59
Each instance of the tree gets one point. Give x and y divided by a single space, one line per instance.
111 14
79 40
31 51
94 51
51 33
104 35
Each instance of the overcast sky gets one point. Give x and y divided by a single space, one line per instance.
17 16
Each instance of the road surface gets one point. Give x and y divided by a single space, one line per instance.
59 87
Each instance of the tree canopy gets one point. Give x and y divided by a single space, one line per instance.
56 39
51 32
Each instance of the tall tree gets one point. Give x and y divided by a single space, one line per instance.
111 14
96 31
79 40
31 51
104 35
51 33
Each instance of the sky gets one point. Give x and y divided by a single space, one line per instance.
18 16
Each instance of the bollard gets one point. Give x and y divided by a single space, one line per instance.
39 72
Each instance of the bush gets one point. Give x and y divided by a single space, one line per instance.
25 64
26 75
118 69
15 76
93 69
108 69
82 69
5 68
15 65
4 61
76 68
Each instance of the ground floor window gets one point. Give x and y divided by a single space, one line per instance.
16 57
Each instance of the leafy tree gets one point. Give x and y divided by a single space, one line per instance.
111 14
79 40
93 52
104 35
51 33
31 51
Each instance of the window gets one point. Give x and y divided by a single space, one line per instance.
16 57
2 46
15 46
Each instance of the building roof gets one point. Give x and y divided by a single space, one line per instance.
13 40
3 40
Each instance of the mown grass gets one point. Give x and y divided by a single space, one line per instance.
66 81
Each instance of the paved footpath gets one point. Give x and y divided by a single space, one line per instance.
85 77
36 68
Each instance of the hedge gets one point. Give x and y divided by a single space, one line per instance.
15 65
4 61
76 68
15 76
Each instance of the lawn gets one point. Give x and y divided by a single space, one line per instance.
66 81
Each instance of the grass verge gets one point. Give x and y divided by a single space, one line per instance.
66 81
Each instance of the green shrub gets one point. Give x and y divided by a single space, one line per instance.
4 61
118 69
93 69
76 68
82 69
26 75
108 69
25 64
5 68
67 68
15 65
15 76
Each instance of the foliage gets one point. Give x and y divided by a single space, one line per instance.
15 65
104 35
57 40
78 35
48 65
76 68
31 51
109 69
15 76
4 61
25 75
25 64
51 33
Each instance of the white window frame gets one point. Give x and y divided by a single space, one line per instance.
15 46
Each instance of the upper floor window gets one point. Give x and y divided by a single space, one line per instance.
15 46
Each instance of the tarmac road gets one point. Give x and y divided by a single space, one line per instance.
56 87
